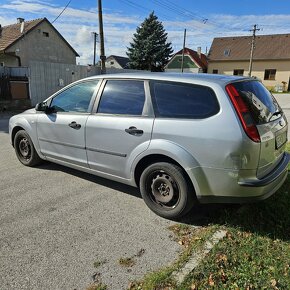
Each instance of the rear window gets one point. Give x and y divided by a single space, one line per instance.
179 100
259 100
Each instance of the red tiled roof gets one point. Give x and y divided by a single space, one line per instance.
200 61
276 46
12 33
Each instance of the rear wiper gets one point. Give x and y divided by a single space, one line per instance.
280 112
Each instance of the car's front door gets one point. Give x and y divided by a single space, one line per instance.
121 127
61 133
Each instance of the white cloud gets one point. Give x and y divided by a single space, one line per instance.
76 26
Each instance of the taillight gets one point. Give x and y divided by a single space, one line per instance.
243 113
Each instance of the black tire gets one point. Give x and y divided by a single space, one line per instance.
166 190
25 150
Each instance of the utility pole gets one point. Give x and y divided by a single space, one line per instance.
101 33
252 48
95 34
182 60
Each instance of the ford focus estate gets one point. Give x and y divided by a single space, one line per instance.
180 138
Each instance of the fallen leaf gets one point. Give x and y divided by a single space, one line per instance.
273 283
210 280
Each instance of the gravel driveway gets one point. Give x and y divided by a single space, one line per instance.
55 223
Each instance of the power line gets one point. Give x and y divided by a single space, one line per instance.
170 6
138 7
61 11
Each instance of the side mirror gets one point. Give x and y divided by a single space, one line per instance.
41 107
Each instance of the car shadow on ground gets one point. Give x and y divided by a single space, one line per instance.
269 218
92 178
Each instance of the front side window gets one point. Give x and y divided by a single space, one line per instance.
179 100
122 97
270 74
75 99
215 71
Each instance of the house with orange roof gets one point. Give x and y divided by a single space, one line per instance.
34 40
271 58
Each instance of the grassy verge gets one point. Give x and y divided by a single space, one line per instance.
190 238
254 255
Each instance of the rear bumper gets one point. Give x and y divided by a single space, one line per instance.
222 186
270 178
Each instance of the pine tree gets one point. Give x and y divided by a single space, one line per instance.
149 49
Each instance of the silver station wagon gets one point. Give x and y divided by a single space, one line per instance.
180 138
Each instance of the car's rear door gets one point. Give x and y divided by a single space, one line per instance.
270 122
120 126
61 133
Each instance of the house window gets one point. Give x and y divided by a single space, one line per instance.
270 74
227 52
215 71
1 63
45 34
238 72
111 62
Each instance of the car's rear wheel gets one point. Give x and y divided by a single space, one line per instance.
166 190
25 150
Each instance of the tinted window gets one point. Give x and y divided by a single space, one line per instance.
75 99
176 100
124 97
260 101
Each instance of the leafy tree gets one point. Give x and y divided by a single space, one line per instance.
149 49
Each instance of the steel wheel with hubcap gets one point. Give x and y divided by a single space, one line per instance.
166 190
25 150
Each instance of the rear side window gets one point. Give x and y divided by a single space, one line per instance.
260 101
122 97
179 100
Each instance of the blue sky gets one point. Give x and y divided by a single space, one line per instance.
203 20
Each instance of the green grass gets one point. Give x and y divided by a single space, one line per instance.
191 239
254 255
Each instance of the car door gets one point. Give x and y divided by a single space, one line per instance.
61 133
121 126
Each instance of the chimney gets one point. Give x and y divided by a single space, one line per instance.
199 51
20 20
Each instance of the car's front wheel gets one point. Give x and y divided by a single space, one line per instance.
166 190
25 150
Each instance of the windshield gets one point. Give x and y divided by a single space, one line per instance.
260 101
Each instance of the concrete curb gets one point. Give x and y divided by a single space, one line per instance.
198 256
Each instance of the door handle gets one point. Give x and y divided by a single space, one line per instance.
75 125
134 131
